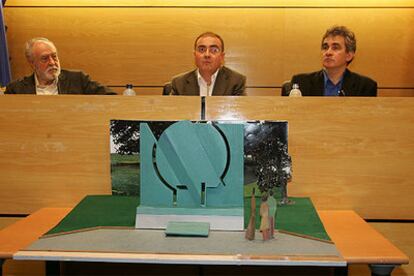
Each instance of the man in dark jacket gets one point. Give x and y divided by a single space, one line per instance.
338 50
48 78
210 78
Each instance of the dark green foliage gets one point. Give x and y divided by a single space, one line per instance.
125 135
125 174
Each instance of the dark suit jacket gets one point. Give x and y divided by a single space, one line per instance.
69 82
228 83
353 84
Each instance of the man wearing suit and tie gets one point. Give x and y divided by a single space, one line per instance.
335 79
210 78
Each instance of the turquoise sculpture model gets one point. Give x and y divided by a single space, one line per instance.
193 172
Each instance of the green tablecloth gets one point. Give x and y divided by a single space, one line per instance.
106 210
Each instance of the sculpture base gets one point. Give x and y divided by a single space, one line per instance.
230 219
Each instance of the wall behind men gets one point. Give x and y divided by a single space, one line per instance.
148 42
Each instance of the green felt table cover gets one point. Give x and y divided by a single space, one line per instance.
107 210
99 210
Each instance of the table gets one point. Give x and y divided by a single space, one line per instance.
25 231
357 242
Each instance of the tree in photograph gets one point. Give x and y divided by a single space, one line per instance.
273 167
125 134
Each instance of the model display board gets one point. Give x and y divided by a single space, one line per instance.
101 229
204 163
102 211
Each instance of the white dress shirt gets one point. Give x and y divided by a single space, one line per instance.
205 89
51 89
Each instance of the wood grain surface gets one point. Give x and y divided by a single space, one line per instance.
149 44
358 242
347 153
224 3
55 150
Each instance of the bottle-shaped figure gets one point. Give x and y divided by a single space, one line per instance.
264 218
129 91
251 228
272 203
295 92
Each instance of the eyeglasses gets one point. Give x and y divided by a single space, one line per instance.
212 49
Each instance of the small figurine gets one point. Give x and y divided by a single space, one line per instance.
264 221
251 227
271 202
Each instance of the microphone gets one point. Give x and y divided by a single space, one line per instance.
341 93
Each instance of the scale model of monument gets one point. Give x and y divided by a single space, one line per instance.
192 173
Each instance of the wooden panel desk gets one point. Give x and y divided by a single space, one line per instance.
359 243
346 152
355 239
43 140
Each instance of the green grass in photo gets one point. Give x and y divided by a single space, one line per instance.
125 174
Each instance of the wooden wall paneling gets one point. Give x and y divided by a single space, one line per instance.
203 3
275 91
141 91
396 92
144 52
264 91
348 153
6 221
268 45
55 150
